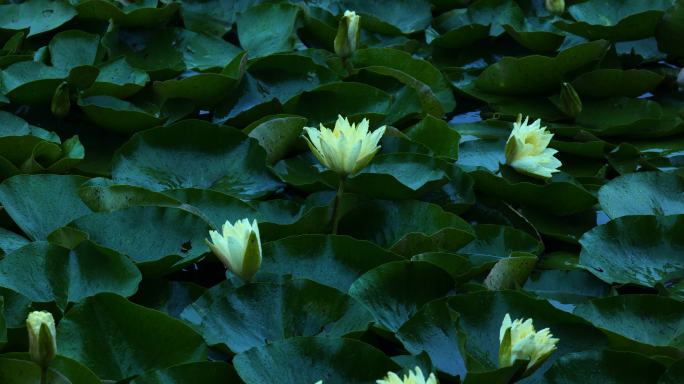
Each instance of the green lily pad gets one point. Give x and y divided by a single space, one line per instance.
603 83
336 261
214 157
205 89
103 195
214 17
213 206
394 292
617 20
173 237
534 75
434 329
16 371
118 115
145 13
333 360
671 30
10 241
605 367
284 76
643 193
352 100
629 117
437 135
432 88
562 197
172 50
306 309
399 176
31 82
207 372
510 272
70 369
70 49
44 273
268 28
118 79
406 227
501 241
636 249
29 200
170 297
280 218
277 134
568 287
101 327
36 15
651 322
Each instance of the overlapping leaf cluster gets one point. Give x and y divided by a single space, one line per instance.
128 129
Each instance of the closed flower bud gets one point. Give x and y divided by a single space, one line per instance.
238 246
570 102
414 377
519 341
526 149
346 149
555 6
61 102
347 38
42 337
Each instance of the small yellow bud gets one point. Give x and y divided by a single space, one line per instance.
347 38
526 149
414 377
519 341
238 247
42 337
555 6
346 149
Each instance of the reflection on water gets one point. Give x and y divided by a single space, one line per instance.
468 117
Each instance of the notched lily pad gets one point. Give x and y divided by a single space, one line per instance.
194 154
643 250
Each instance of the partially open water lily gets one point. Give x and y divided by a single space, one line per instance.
414 377
527 149
238 246
347 38
347 148
519 341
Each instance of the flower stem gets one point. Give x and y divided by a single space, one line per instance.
44 374
336 207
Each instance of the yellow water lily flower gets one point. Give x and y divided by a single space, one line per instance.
527 149
347 38
346 149
238 247
42 337
414 377
519 341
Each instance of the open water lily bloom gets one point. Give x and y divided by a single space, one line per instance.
238 246
527 149
414 377
347 148
519 341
